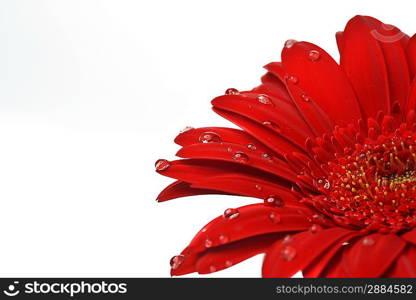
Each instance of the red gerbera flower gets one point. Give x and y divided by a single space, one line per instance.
331 151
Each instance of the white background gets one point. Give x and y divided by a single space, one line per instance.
93 92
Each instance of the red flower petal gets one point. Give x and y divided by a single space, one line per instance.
250 220
321 79
371 255
411 55
227 135
272 85
179 189
271 139
278 116
316 268
410 236
285 259
361 51
239 155
405 265
315 117
223 257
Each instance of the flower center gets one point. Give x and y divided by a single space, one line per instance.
373 186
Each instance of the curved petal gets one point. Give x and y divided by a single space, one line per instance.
411 55
410 236
250 220
372 255
361 57
264 109
264 134
223 257
180 189
238 154
320 77
284 258
405 266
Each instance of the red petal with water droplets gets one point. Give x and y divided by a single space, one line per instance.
405 266
250 186
322 79
273 86
271 139
372 255
284 118
307 246
223 257
361 51
316 268
238 154
252 220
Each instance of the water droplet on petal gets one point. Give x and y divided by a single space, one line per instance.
176 261
208 243
209 137
292 79
275 218
258 187
203 229
223 239
368 241
324 183
162 164
315 228
232 91
212 269
264 99
290 43
274 201
287 239
267 156
251 147
240 157
187 128
345 243
306 98
314 55
288 253
228 263
231 213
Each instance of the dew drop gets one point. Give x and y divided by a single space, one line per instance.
232 91
315 228
162 164
290 43
287 239
267 156
292 79
275 218
176 261
203 229
187 128
274 201
240 157
223 239
272 125
264 99
314 55
212 269
368 241
288 253
306 98
209 137
323 182
208 243
229 149
251 147
228 263
231 213
258 187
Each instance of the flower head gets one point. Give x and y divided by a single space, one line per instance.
330 149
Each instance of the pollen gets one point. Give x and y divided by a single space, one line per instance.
374 187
